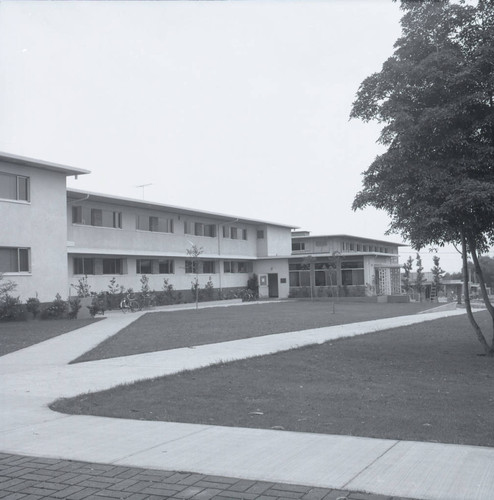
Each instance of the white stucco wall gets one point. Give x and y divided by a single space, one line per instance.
41 226
273 266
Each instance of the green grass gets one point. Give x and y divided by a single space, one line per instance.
20 334
175 329
425 382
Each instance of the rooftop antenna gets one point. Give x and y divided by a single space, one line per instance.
143 186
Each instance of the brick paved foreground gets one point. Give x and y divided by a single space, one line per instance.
30 478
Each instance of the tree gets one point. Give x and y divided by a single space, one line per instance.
419 279
435 99
194 252
437 274
407 269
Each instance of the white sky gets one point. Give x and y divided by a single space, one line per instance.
238 107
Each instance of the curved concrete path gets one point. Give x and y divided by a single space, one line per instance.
34 377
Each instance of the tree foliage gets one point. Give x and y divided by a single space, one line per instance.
435 99
437 274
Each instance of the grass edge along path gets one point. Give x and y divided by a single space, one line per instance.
423 382
167 330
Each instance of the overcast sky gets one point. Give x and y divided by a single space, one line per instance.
237 107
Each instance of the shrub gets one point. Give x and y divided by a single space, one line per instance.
98 304
56 309
74 306
82 288
11 309
114 294
253 285
167 294
209 290
33 306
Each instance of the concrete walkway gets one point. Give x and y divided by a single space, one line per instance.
33 377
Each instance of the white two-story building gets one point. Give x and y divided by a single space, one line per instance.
52 237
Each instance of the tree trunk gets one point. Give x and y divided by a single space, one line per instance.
476 327
485 295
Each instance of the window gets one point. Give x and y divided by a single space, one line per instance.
298 246
14 260
83 265
96 217
244 234
226 233
208 266
233 233
112 266
260 234
14 187
233 266
210 230
165 266
191 267
299 275
144 266
198 229
154 224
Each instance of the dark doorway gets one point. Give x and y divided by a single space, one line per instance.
273 285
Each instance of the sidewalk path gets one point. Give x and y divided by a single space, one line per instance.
33 377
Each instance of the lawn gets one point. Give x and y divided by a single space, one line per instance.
19 334
425 382
173 329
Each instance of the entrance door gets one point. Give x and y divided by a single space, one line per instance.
273 285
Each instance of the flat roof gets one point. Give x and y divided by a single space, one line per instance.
347 236
132 202
45 165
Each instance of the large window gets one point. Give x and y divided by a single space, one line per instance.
234 266
83 265
112 266
14 260
166 266
154 224
208 266
14 187
144 266
200 266
96 217
298 246
299 275
352 272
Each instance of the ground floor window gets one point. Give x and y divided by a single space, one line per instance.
83 265
200 267
144 266
14 260
166 266
112 266
234 266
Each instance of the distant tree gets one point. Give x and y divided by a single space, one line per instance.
435 98
194 252
419 279
487 266
407 269
437 274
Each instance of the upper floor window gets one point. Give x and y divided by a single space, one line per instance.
298 246
14 260
154 224
244 234
233 233
14 187
260 234
96 217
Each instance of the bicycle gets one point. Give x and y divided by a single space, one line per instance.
129 303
